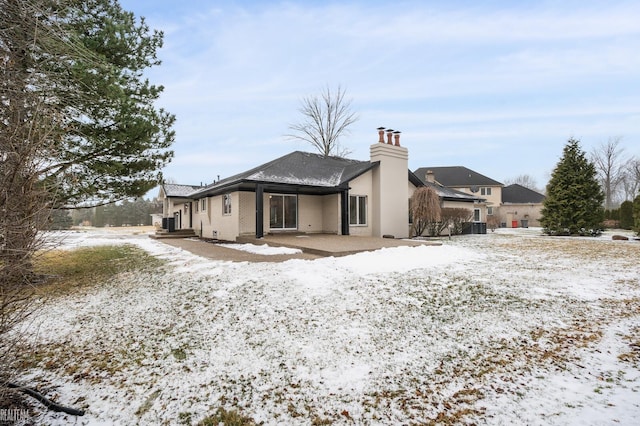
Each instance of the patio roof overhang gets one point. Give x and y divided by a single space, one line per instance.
281 188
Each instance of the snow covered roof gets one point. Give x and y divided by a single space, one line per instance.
298 168
177 190
456 176
451 194
519 194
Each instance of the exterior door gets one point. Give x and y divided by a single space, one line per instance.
283 212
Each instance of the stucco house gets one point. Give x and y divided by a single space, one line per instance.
305 192
521 206
486 191
511 206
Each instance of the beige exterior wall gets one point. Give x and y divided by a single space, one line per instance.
493 200
509 213
363 186
201 221
390 207
176 205
247 211
310 208
331 214
214 223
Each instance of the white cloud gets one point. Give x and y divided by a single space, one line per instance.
493 77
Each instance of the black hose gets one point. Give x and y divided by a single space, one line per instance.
46 402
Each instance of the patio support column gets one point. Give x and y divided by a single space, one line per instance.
259 211
344 211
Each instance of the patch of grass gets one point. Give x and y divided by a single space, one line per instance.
86 266
179 354
147 403
228 418
184 418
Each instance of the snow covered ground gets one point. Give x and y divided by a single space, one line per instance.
505 328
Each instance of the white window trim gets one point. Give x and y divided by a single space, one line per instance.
297 211
366 212
226 197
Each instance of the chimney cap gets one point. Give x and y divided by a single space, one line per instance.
389 130
380 128
397 131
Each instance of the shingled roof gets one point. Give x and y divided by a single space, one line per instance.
518 194
304 170
177 190
451 194
456 176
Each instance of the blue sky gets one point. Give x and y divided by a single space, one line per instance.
496 86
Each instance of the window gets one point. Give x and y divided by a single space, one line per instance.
476 215
489 211
197 203
283 211
226 204
485 191
357 210
203 204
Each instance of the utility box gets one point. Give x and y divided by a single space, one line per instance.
171 224
474 228
164 222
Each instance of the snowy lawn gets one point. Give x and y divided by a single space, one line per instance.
505 328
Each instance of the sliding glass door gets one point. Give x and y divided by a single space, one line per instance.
283 212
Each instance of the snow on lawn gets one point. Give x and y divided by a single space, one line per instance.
262 249
504 328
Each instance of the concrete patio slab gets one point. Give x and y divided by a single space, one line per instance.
332 245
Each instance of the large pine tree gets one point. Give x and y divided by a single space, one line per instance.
573 205
78 124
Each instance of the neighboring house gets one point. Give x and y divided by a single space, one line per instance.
512 206
175 204
521 206
487 193
302 192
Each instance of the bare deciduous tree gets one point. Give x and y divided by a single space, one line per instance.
425 210
527 181
325 118
631 179
610 167
456 217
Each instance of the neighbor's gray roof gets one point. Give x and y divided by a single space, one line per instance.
519 194
451 194
297 169
177 190
456 176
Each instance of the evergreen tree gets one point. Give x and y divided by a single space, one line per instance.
60 219
636 214
626 215
573 205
